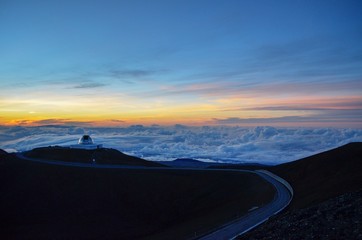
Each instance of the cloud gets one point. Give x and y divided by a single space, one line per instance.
316 87
322 56
89 85
117 121
134 73
342 104
53 121
311 104
283 108
211 88
50 121
268 145
130 76
260 85
345 111
300 68
236 120
315 116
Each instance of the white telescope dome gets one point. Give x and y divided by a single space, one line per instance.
85 140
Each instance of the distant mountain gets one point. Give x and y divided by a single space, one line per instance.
243 166
3 156
99 156
192 163
188 163
3 153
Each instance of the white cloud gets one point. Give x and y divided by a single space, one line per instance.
267 145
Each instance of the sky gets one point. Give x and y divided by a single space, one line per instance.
235 63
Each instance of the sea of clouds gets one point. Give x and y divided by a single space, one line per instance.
266 145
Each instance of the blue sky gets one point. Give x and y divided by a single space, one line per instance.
190 62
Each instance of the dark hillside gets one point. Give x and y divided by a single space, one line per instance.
188 163
242 166
41 201
101 156
325 175
336 218
327 200
3 156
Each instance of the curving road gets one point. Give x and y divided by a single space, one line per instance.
231 230
281 200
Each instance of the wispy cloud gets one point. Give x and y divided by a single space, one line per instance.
261 89
131 73
316 117
117 121
54 121
315 105
89 85
322 56
236 120
135 73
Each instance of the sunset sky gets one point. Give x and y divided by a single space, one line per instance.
116 63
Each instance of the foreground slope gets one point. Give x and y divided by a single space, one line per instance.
325 175
337 218
327 201
41 201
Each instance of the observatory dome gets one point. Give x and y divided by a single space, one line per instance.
85 140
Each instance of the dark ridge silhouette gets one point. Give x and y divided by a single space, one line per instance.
100 156
44 201
324 175
188 163
3 154
242 166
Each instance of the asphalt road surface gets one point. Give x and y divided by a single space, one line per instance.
256 217
228 231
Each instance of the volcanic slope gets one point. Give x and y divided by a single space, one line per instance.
327 201
100 156
324 175
46 201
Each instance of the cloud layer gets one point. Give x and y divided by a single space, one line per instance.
266 145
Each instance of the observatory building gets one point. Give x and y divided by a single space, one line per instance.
86 142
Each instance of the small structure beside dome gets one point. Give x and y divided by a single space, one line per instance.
86 142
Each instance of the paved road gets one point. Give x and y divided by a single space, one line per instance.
85 165
228 231
281 200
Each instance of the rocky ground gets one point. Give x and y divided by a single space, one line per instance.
337 218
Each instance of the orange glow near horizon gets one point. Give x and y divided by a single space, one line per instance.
214 68
110 112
